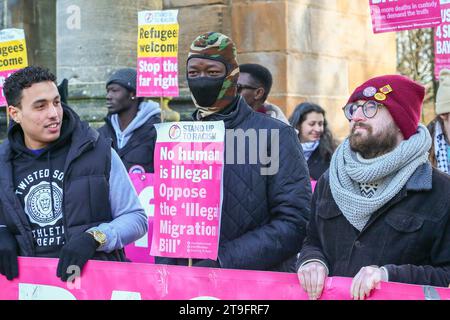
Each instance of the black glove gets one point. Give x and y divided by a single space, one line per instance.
207 263
8 254
76 252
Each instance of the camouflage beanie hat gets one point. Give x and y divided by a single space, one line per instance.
218 47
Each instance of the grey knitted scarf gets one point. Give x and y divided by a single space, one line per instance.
390 171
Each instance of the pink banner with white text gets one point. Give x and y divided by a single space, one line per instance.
442 41
133 281
188 197
139 251
313 184
400 15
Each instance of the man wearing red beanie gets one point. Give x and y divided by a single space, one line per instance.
381 212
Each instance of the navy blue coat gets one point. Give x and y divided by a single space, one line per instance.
264 217
410 235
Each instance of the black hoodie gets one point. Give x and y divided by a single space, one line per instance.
32 175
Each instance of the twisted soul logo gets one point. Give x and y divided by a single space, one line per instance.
39 206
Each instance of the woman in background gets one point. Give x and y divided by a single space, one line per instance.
316 139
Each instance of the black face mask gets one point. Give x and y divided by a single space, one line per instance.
205 90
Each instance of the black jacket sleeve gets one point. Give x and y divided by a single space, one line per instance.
289 194
312 247
436 274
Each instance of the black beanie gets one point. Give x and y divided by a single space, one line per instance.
125 78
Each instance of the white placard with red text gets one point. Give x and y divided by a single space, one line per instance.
157 62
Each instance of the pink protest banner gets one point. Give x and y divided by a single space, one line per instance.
188 194
157 62
139 251
133 281
13 56
442 41
400 15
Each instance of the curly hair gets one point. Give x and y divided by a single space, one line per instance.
23 79
327 143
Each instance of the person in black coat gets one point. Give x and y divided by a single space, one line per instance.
381 212
316 138
265 203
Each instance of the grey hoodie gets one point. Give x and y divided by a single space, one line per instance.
146 111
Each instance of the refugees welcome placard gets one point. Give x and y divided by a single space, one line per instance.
157 63
13 55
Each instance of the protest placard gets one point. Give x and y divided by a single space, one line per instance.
139 251
103 280
442 40
189 163
13 55
157 63
399 15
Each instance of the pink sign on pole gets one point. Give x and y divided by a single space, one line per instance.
157 62
103 280
188 194
400 15
442 41
139 251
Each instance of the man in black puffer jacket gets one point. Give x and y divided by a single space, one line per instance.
65 192
266 201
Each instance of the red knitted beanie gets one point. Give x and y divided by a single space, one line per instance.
402 97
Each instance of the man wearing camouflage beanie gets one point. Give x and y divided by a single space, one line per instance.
265 204
381 212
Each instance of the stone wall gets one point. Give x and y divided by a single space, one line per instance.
94 38
317 50
37 18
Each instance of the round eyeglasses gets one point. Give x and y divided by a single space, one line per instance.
369 109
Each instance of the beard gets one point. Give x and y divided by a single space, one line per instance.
370 146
